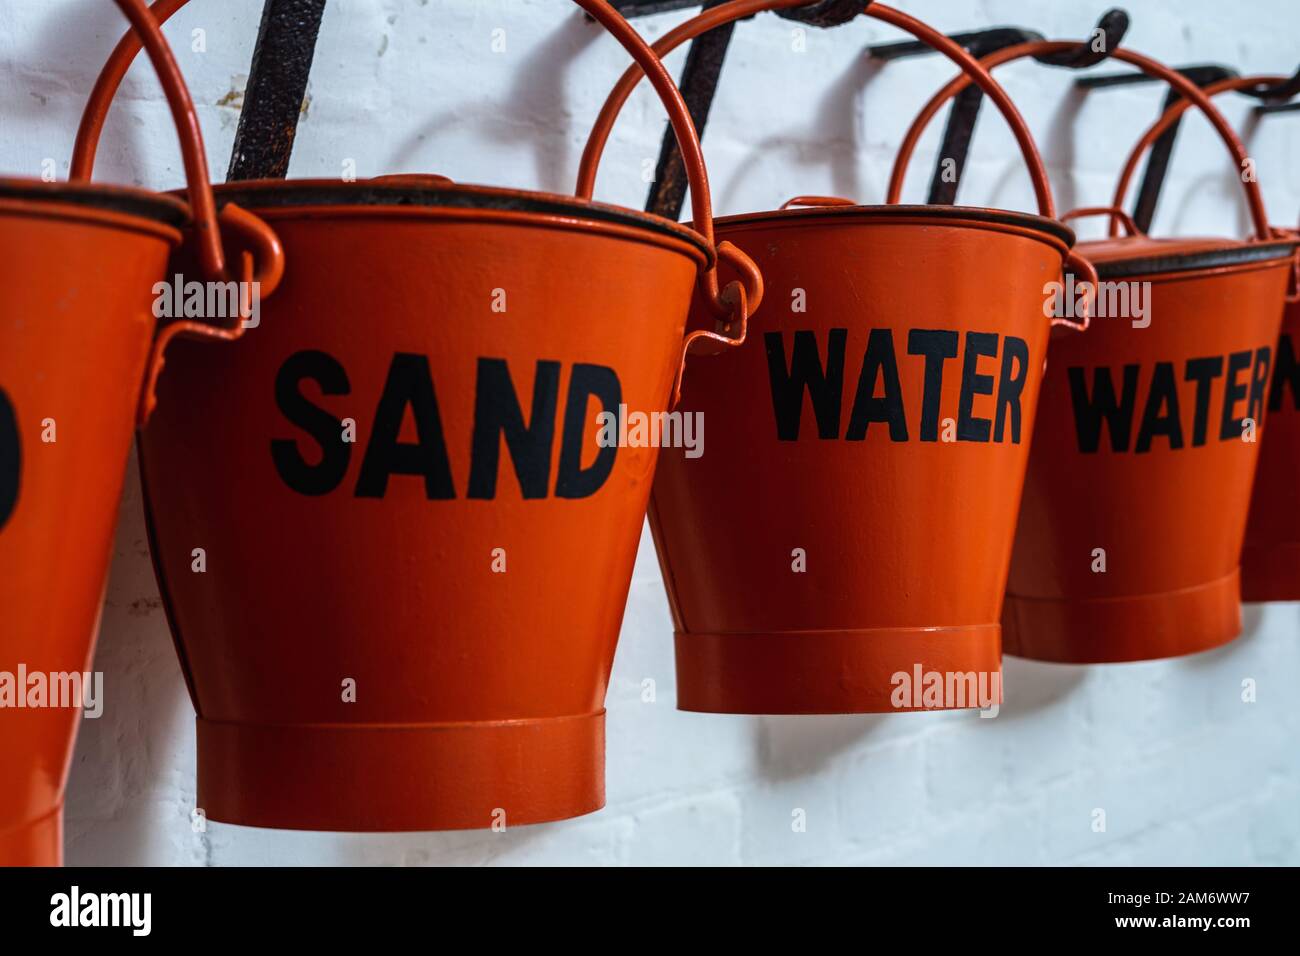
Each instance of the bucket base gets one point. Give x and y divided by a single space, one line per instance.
1142 627
370 777
37 843
831 672
1271 572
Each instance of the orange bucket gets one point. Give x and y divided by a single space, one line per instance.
1270 557
1136 498
850 522
78 264
393 551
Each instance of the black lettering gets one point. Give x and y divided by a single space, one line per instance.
879 359
497 415
1089 412
573 481
1286 375
937 345
1235 391
1202 371
825 387
295 471
970 428
1010 388
10 459
1163 395
409 383
1258 381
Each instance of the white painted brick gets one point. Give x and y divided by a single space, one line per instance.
1187 772
702 831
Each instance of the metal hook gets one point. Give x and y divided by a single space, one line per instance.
960 127
1157 164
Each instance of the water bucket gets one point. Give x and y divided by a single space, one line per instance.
845 535
1145 448
393 549
1270 557
78 265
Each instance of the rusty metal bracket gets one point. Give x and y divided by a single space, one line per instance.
277 86
1268 109
960 127
1157 165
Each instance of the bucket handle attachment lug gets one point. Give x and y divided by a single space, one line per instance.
732 332
263 246
206 233
817 201
1081 266
1117 217
260 254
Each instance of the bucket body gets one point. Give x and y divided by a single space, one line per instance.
411 627
850 519
1270 558
77 267
1135 503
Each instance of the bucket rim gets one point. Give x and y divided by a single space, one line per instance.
125 200
1233 253
980 214
258 194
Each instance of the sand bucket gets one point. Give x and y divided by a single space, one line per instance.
78 354
843 540
1270 557
393 548
1147 437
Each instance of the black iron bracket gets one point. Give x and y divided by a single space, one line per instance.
960 127
277 87
1162 150
699 84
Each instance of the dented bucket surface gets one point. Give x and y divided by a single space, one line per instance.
76 265
1144 453
78 357
1270 558
845 535
393 547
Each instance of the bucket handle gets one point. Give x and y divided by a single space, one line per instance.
734 302
261 257
840 12
1189 90
1166 120
738 9
1117 217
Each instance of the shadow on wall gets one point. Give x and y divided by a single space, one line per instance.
73 35
131 790
538 115
830 139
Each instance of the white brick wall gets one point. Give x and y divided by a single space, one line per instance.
1185 771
